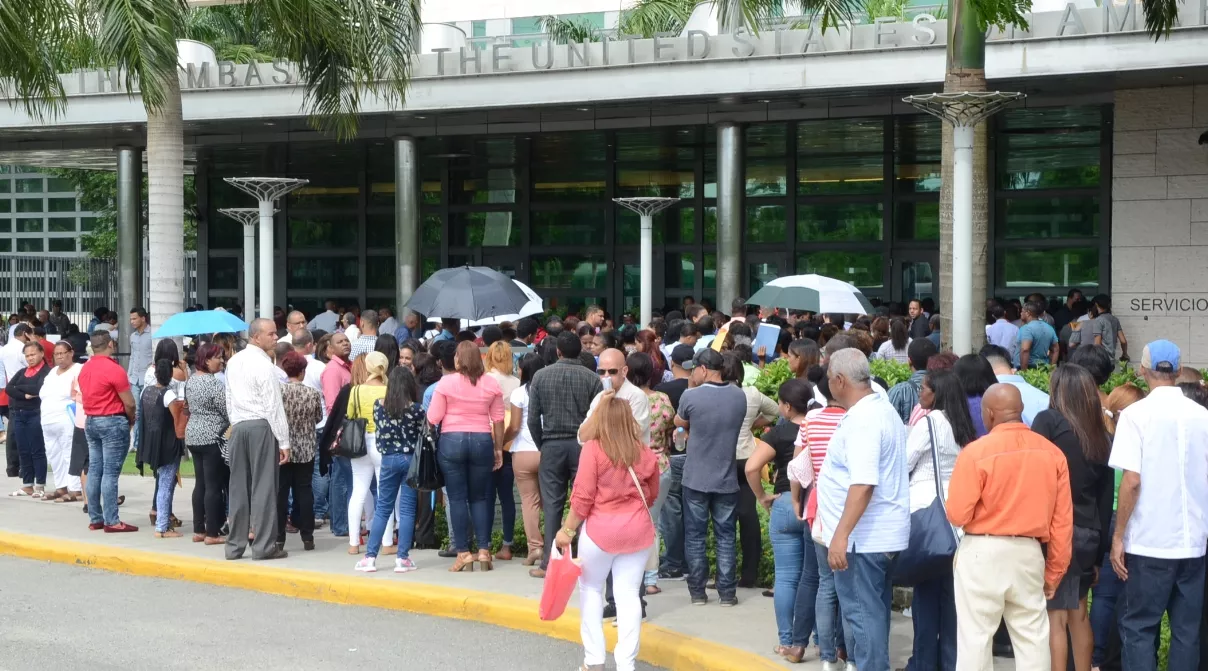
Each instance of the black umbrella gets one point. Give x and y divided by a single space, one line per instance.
468 292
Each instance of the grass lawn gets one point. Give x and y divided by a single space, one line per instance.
130 468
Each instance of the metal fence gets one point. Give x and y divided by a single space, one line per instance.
83 284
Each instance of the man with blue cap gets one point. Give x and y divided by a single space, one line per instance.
1161 532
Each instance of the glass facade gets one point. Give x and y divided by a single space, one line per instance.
855 199
39 213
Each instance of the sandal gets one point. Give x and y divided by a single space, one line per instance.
39 492
651 590
23 492
170 533
56 495
215 540
70 497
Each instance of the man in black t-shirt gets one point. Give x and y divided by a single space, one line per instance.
671 519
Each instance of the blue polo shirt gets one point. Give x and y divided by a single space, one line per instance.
1042 336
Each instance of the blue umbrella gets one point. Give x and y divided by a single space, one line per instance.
200 322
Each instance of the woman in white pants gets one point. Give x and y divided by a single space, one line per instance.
618 478
58 424
360 406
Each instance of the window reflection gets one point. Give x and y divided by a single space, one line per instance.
1050 217
322 232
840 222
671 227
569 272
1059 267
584 227
917 220
482 229
863 269
322 273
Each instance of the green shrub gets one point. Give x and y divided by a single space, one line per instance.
772 376
891 372
1039 377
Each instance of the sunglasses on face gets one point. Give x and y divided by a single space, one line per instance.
608 371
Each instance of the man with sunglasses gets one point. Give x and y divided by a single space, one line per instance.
613 373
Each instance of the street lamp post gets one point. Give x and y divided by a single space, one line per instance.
963 111
266 190
646 207
249 217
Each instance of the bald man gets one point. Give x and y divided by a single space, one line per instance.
295 322
259 443
1010 490
613 375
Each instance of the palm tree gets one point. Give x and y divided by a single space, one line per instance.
345 50
966 71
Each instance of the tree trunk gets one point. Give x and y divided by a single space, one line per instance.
165 206
966 72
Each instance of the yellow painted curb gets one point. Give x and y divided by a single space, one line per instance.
660 647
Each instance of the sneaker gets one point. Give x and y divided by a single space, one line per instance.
833 666
610 611
404 565
728 602
120 528
671 575
366 565
700 600
851 666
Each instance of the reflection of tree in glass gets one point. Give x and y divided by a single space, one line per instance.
863 269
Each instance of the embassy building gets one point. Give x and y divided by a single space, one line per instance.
794 143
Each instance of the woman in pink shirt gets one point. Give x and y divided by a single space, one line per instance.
617 481
468 407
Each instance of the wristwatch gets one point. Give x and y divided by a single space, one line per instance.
570 533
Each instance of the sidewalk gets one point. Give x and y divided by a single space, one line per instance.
749 629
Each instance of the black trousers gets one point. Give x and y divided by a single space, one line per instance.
209 490
12 458
559 464
425 522
296 478
750 539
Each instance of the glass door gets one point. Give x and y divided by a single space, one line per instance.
763 267
916 275
511 264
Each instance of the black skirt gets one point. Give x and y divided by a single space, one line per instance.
79 453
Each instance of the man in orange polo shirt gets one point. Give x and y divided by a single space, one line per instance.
1010 490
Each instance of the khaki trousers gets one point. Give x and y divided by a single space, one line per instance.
526 466
999 577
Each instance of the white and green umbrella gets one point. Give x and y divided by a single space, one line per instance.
812 293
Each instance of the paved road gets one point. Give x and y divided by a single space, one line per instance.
58 616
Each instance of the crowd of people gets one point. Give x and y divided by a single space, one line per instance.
664 449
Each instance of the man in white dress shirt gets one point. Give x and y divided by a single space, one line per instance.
257 426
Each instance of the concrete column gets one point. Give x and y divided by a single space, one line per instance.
129 238
249 269
406 220
730 188
267 276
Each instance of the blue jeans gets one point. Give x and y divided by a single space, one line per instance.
699 508
933 612
505 489
865 590
340 491
31 445
671 519
1157 586
467 461
392 483
108 444
788 551
319 485
136 390
166 479
833 632
1104 597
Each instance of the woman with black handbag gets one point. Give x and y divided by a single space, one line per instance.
937 439
365 392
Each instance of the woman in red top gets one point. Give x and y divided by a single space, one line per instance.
618 479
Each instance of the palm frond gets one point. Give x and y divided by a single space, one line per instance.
1160 16
830 13
29 58
749 14
139 38
346 51
648 18
562 31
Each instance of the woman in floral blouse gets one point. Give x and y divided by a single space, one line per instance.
662 427
400 423
303 409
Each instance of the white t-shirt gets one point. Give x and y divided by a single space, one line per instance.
56 394
1164 438
177 386
524 439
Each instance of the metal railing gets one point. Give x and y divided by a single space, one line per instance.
83 284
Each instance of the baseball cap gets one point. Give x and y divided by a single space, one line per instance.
706 358
1161 355
682 354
